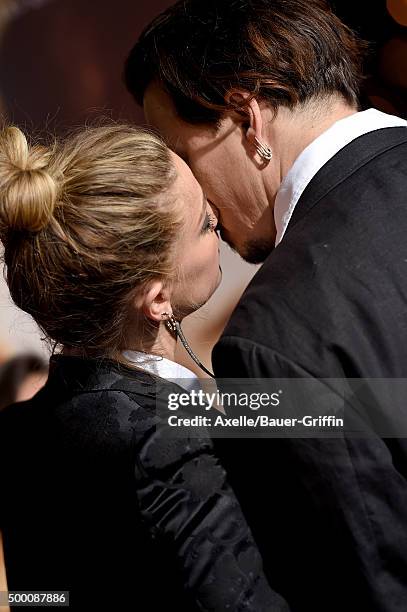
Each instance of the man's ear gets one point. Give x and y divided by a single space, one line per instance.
248 107
155 300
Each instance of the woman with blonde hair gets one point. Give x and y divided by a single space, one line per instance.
107 238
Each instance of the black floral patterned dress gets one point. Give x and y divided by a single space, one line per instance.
99 501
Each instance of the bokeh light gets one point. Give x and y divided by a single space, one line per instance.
398 10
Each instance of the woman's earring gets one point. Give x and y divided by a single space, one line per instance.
263 150
174 327
170 321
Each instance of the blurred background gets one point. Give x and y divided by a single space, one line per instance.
61 64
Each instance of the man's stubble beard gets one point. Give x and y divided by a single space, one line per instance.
257 251
254 251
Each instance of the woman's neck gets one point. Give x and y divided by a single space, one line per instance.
162 343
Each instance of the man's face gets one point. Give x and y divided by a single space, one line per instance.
230 176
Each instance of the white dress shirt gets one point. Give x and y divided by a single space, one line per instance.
318 153
164 368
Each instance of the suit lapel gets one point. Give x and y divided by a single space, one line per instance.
347 161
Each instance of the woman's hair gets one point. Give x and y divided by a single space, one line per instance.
86 223
285 52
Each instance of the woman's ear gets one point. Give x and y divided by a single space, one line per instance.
155 301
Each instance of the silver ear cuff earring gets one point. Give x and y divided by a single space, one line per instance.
263 150
174 327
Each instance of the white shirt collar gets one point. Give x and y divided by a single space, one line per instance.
164 368
318 153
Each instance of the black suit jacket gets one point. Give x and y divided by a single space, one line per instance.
98 500
330 301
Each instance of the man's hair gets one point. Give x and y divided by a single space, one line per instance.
285 52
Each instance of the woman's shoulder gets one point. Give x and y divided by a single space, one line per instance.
96 410
79 377
97 402
104 390
116 404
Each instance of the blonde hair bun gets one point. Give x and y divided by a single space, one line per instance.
28 192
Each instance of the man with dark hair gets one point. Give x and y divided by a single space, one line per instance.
260 97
